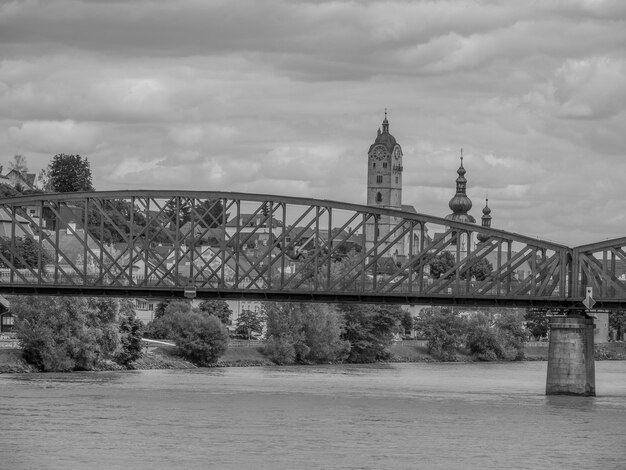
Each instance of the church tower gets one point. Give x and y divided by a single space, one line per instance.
384 185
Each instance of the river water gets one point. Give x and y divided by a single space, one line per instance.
397 416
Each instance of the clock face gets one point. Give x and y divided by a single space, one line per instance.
380 153
398 155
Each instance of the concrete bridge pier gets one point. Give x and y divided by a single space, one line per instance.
571 364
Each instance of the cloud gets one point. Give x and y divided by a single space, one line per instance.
54 136
285 97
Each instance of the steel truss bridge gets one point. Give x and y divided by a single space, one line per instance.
234 245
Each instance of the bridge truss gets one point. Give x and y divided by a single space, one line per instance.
233 245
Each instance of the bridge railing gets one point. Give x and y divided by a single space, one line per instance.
233 244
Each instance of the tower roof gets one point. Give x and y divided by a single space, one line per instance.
460 204
384 137
486 221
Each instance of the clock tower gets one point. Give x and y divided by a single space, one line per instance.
384 186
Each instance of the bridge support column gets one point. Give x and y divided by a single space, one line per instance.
571 364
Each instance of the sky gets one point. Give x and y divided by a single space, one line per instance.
286 96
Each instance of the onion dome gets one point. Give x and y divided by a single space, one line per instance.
486 221
384 137
460 204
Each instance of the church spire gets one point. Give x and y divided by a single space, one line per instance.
486 221
460 204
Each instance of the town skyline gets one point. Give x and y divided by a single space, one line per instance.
209 96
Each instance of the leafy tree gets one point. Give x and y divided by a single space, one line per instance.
200 338
131 332
442 263
511 334
537 322
218 308
211 213
482 338
323 327
370 330
303 333
444 330
407 321
159 310
284 337
166 318
69 173
249 322
27 253
65 333
481 270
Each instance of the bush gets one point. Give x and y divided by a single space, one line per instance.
200 338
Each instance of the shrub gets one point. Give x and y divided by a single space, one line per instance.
200 338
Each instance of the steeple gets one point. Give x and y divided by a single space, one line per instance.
386 123
486 221
460 204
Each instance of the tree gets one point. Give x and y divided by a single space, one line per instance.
65 333
537 322
481 270
131 332
218 308
482 339
511 334
166 318
370 330
304 333
323 328
69 173
26 253
407 322
159 310
249 322
200 338
441 264
444 330
285 339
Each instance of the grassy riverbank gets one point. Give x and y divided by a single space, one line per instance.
164 357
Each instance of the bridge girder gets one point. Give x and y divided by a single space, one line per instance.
235 245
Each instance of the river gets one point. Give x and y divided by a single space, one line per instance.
391 416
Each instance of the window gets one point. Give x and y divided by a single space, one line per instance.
384 164
374 165
379 179
396 180
379 197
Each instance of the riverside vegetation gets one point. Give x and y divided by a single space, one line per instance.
78 333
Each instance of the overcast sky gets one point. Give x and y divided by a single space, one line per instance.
285 97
